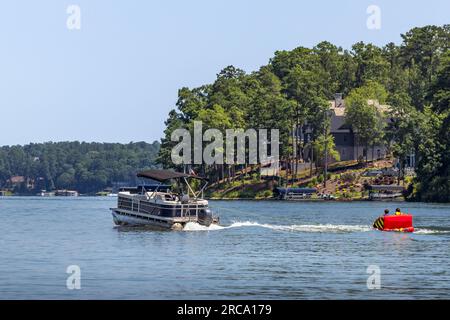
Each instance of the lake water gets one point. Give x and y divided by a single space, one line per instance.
263 250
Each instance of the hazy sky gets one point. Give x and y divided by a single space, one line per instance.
116 78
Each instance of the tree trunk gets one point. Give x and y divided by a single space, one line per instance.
400 164
287 171
373 153
367 153
296 149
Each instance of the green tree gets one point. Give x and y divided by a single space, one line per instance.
371 64
421 53
319 148
403 130
433 169
431 184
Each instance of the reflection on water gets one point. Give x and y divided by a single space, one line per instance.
261 250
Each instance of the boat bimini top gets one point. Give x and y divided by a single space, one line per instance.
164 175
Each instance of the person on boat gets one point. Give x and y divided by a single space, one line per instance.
386 212
398 212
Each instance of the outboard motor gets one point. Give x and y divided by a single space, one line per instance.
205 217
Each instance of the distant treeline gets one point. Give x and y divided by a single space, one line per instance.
294 88
81 166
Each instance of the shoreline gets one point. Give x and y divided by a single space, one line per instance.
304 200
237 199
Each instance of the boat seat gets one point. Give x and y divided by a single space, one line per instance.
168 197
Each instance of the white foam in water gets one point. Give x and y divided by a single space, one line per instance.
331 228
324 228
428 231
192 226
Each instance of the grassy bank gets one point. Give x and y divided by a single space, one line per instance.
346 182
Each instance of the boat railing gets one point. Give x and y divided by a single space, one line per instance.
186 212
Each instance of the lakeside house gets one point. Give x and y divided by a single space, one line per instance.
345 140
19 181
345 137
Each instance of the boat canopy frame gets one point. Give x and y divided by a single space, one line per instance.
164 175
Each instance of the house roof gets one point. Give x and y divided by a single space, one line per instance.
338 110
338 116
338 124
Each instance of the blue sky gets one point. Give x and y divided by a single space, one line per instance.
116 78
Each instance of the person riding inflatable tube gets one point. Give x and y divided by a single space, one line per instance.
402 223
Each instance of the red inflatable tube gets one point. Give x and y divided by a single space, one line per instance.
403 223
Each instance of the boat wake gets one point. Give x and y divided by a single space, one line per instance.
194 226
430 231
320 228
310 228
